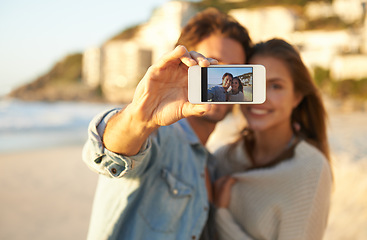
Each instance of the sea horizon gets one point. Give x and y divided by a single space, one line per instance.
35 125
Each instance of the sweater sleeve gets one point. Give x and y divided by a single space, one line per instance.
227 228
307 216
319 207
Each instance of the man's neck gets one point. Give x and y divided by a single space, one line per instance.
202 127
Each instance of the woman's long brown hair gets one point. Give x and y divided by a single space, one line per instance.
310 115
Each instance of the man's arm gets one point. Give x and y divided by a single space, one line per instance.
159 100
116 138
211 93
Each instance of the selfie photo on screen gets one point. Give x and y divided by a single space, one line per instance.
229 84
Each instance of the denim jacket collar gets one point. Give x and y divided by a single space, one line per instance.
190 134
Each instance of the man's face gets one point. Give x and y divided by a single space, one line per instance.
227 81
226 51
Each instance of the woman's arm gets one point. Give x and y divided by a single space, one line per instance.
227 227
307 214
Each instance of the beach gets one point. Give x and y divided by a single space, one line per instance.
47 192
348 142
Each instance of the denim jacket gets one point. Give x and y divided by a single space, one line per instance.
217 94
159 193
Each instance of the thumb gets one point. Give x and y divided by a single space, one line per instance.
190 109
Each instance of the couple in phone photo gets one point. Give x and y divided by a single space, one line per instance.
158 177
231 90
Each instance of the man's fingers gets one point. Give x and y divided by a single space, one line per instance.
213 61
190 109
180 52
194 58
186 58
200 59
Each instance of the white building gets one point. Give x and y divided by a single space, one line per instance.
318 48
91 73
349 67
122 63
349 10
268 22
317 10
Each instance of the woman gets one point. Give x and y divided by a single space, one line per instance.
236 92
280 175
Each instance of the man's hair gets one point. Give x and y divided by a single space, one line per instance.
227 74
212 21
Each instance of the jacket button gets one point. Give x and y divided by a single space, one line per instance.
113 170
175 191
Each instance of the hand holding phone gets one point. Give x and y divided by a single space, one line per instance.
227 84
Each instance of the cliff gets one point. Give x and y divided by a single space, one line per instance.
62 83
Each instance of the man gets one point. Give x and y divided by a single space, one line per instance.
219 93
153 178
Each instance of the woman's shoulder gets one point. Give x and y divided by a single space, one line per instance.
234 147
310 161
306 151
231 158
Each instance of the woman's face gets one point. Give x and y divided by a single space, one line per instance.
235 84
280 97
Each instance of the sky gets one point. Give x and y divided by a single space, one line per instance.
36 34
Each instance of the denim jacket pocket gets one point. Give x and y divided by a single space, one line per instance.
168 199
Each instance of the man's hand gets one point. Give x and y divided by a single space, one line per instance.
162 94
159 100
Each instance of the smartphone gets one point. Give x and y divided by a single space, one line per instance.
227 84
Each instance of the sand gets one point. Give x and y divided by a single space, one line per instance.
45 194
348 213
48 194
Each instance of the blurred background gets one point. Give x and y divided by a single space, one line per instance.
63 62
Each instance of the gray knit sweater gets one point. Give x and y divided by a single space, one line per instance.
287 201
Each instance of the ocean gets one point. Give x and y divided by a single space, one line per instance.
37 125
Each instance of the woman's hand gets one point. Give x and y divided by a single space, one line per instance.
222 191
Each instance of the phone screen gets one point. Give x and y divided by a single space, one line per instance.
227 84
